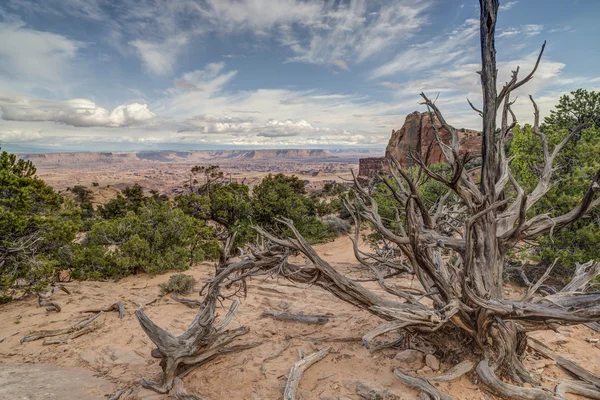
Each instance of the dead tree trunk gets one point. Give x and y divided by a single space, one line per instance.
202 341
462 274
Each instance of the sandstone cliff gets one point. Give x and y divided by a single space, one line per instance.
417 134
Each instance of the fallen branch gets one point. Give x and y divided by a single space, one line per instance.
307 319
422 385
51 306
274 356
298 369
340 339
7 336
118 306
578 388
74 328
453 373
565 364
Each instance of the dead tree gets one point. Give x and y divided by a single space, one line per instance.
462 273
202 341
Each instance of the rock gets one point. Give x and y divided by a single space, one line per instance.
284 305
417 134
425 371
432 362
370 167
412 358
598 345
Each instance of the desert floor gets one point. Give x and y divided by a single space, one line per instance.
117 354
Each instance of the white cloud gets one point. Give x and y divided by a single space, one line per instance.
533 29
75 112
34 57
354 31
435 53
19 136
508 5
160 58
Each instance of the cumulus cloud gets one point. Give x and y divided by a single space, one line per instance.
274 128
75 112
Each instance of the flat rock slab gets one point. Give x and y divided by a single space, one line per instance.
48 382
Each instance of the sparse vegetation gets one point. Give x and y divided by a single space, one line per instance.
180 284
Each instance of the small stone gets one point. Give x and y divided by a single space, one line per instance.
413 358
432 362
284 305
424 371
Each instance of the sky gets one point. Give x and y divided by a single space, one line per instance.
125 75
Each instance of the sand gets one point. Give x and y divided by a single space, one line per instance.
118 352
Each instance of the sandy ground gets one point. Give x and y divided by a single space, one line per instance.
117 354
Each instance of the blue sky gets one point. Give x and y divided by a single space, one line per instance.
87 75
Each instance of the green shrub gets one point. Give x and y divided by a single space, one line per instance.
157 239
180 283
35 224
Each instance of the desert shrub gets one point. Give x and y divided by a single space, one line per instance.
284 196
95 184
35 224
159 238
179 283
337 225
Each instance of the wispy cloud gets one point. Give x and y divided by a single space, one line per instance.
508 5
435 53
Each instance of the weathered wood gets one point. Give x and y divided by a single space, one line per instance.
188 302
305 319
274 356
506 390
564 363
454 373
366 392
422 385
298 369
43 299
74 328
579 388
118 306
179 393
2 339
117 395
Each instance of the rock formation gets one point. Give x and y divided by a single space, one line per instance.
369 167
418 134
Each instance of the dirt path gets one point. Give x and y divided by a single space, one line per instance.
119 352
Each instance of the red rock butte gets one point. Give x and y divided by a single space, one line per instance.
416 136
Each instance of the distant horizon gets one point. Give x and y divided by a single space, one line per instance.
221 74
55 151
